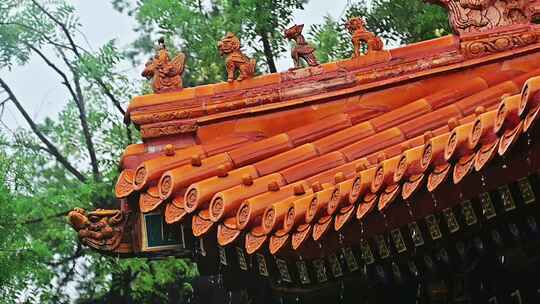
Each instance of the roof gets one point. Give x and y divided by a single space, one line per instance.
277 160
308 180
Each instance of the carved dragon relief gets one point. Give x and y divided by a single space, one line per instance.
470 16
99 229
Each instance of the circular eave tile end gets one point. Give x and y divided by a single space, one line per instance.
141 178
191 199
165 186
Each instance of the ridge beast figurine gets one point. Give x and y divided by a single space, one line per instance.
356 26
468 16
166 74
229 46
302 50
100 229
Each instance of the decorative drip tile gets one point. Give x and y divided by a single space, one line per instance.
527 193
416 234
397 238
241 258
261 261
320 270
350 259
487 206
468 213
303 272
506 198
451 221
433 227
283 270
335 266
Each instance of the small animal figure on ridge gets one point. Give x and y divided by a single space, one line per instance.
302 50
235 60
166 75
356 26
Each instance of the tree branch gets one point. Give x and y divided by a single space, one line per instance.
55 68
62 26
79 101
50 146
42 34
108 93
86 129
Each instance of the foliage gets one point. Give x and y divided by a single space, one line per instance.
66 162
389 19
57 164
402 21
331 41
199 26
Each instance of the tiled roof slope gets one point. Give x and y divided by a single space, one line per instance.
348 138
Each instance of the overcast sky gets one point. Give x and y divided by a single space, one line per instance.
39 89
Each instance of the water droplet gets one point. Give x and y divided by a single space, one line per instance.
483 180
434 199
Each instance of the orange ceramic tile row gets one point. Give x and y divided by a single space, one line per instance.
226 205
199 193
149 171
364 194
383 181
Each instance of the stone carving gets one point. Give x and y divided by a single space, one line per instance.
356 26
469 16
235 60
166 74
496 44
100 229
302 50
167 129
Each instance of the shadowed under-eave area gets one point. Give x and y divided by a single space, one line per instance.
339 153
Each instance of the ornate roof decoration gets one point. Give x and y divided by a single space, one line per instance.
235 60
100 229
473 16
166 74
348 151
302 50
356 26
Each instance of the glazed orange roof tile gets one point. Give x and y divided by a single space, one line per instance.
274 162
